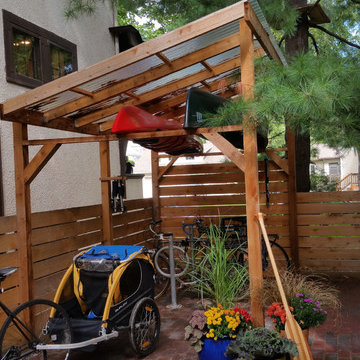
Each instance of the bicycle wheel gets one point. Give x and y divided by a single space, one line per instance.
281 258
162 283
181 267
17 340
144 326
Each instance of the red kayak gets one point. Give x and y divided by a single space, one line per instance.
133 119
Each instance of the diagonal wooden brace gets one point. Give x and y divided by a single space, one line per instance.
39 161
227 149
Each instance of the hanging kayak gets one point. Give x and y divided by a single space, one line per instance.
132 119
200 102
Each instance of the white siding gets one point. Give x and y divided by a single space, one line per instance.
71 178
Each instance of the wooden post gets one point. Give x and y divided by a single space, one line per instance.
251 178
293 238
155 184
105 172
23 212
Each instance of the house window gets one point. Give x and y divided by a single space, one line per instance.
334 170
34 55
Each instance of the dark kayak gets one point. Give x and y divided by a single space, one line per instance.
132 119
199 103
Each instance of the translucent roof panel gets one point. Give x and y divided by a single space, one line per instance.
202 41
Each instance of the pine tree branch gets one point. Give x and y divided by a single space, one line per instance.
314 43
334 35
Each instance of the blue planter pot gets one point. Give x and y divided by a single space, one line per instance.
214 350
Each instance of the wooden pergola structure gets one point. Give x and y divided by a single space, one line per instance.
154 75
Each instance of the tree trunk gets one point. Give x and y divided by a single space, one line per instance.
293 45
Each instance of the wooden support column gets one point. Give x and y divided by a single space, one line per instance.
293 236
251 178
155 184
105 172
23 212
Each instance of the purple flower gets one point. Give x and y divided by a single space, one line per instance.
301 306
315 309
325 312
299 295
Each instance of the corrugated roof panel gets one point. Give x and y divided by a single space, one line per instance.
55 101
202 41
190 70
122 74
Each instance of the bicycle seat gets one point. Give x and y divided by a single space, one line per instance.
5 272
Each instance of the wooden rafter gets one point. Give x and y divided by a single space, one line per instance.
82 91
164 59
261 35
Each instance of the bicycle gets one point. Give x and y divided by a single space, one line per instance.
236 228
24 330
160 258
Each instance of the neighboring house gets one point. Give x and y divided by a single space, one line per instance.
37 45
142 159
342 166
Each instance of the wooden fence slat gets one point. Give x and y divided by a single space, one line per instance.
8 242
317 208
55 217
330 242
55 248
340 230
123 219
7 224
327 197
329 219
57 232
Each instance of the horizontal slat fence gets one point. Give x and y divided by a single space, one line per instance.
329 231
217 190
57 236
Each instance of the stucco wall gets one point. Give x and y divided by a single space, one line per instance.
71 178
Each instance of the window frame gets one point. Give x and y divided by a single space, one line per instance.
46 39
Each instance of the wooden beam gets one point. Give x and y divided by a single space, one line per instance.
180 132
36 118
282 163
227 149
23 213
105 172
158 92
39 161
207 66
82 91
251 178
164 59
167 167
74 140
261 35
155 185
293 234
128 57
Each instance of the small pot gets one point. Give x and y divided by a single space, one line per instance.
215 350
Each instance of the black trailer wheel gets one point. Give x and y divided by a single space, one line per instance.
144 326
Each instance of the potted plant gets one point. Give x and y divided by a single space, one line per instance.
306 296
261 344
218 276
211 331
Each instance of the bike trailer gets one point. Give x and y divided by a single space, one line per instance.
103 285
